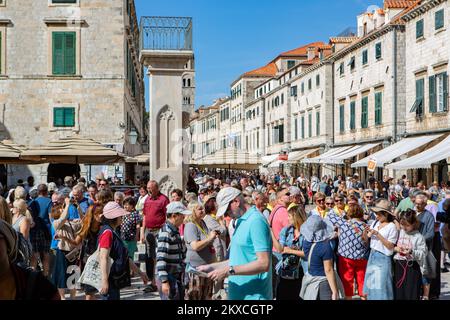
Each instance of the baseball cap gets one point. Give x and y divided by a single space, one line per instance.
113 210
224 197
178 207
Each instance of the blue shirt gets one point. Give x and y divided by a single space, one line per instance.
322 252
287 236
41 207
252 235
84 204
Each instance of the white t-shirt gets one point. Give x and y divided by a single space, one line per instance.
389 232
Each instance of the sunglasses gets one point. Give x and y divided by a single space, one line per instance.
103 184
329 203
320 200
369 198
337 200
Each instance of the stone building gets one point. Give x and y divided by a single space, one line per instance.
76 73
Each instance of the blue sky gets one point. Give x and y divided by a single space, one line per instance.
235 36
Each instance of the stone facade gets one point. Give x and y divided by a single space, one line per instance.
106 108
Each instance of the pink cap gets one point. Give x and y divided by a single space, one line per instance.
113 210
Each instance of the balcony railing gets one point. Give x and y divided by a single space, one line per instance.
166 33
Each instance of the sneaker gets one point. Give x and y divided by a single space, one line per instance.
425 298
150 288
444 270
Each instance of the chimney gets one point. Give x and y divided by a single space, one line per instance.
311 53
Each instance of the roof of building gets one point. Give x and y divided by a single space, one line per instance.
302 51
269 70
343 39
398 4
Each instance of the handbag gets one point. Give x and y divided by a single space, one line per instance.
92 273
431 266
74 254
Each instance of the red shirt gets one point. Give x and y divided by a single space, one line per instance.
279 218
105 239
155 211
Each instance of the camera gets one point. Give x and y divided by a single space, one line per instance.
444 216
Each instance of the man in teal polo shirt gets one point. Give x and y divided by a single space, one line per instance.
249 267
407 203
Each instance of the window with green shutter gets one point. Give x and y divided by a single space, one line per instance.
341 118
64 53
441 88
419 103
378 108
341 69
419 29
296 129
439 19
365 57
309 84
365 112
318 80
310 125
64 117
303 127
432 93
352 115
378 51
303 87
317 123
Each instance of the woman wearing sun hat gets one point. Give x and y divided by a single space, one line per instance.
320 281
112 246
383 236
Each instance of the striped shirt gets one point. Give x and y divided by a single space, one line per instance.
171 252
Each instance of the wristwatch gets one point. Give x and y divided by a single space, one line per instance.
232 272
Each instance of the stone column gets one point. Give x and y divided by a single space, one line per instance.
169 123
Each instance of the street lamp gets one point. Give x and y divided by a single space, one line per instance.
133 136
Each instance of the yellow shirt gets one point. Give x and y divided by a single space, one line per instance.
323 213
341 212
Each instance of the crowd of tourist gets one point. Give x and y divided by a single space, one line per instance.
242 236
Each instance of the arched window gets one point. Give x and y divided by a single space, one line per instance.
189 82
184 82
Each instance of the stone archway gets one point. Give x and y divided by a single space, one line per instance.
166 125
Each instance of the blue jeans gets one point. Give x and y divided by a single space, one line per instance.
378 281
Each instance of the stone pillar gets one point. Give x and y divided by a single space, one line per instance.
169 123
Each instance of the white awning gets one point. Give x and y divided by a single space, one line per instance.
425 159
276 164
396 150
327 154
266 160
296 156
348 154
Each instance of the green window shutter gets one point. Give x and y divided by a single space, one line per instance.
378 108
69 117
318 123
433 96
303 127
310 125
58 53
378 50
352 115
296 129
445 80
58 117
341 118
419 29
70 53
439 19
318 80
364 57
364 112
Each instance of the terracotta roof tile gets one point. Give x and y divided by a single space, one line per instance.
269 70
398 4
302 51
413 5
343 39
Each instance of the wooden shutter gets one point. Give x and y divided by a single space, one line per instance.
303 127
58 117
58 53
439 19
445 82
378 51
318 123
364 112
419 29
310 125
341 118
378 108
352 115
70 53
69 117
433 96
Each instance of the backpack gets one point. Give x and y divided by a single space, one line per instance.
290 263
25 251
119 276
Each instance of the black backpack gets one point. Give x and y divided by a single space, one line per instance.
25 251
119 276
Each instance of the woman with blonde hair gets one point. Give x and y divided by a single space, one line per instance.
200 251
289 269
22 219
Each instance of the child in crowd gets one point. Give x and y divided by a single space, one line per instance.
409 260
129 230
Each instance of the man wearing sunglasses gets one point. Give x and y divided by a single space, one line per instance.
368 204
248 269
